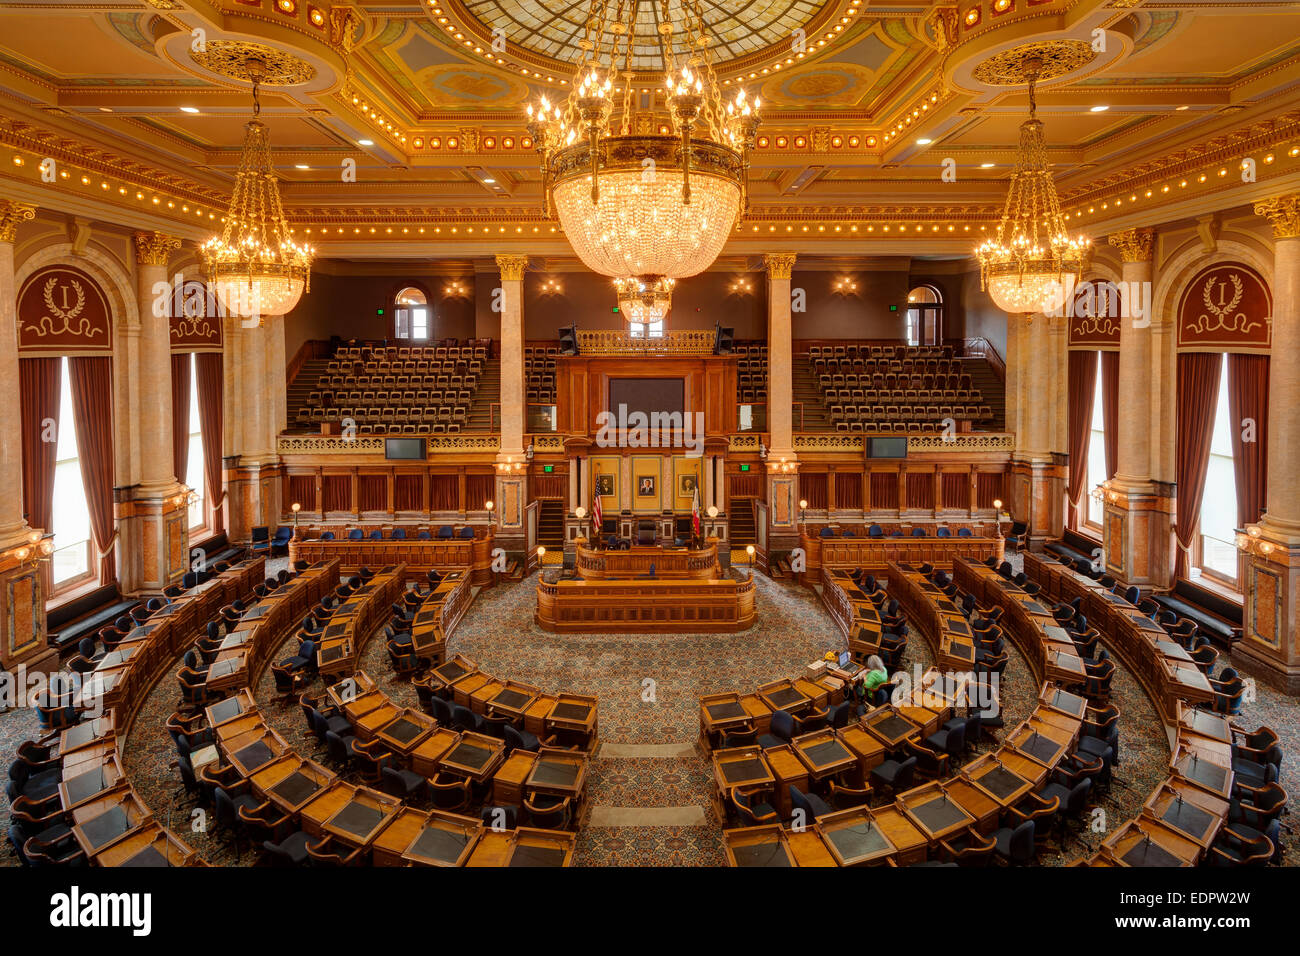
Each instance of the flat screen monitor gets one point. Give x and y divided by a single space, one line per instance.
404 448
647 395
887 448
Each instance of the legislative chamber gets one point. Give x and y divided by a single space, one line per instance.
622 435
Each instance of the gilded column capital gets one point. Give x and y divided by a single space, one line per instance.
1283 214
780 265
512 267
11 214
154 248
1134 245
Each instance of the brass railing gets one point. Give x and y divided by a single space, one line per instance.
622 342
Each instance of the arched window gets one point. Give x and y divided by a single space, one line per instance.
411 318
924 316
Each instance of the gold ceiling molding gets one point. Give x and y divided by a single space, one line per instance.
229 58
1058 58
1283 214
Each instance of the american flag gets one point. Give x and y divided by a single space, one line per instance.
595 515
695 511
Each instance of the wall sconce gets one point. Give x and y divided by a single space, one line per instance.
784 466
1103 493
510 466
1249 541
742 286
455 289
550 287
844 286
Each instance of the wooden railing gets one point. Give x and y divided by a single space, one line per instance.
980 347
621 342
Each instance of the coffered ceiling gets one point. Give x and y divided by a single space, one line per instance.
876 113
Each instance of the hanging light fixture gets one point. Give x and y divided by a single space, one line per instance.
255 266
644 300
1024 267
649 206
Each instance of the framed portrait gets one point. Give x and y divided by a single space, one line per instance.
686 485
645 486
604 485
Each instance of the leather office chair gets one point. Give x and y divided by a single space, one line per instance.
1016 845
781 730
751 806
893 776
813 806
548 811
449 792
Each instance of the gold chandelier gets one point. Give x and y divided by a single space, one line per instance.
255 266
639 204
1025 265
644 300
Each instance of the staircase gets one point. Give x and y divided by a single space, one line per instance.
994 390
742 522
300 390
804 388
550 524
487 394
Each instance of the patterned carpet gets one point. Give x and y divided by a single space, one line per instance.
648 789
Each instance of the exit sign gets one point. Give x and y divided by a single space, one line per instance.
893 308
548 468
744 468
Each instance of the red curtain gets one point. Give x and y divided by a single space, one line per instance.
208 371
180 414
1248 398
92 405
479 489
39 380
1081 387
1198 387
1110 409
813 489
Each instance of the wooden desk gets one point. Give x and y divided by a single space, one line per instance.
508 781
512 699
109 817
350 689
654 605
445 839
1146 842
788 771
977 802
426 756
997 781
910 841
784 695
737 767
868 748
224 711
559 773
360 819
763 846
701 564
573 717
474 756
854 838
1189 810
934 812
808 848
150 845
539 848
91 782
291 782
890 727
824 754
406 731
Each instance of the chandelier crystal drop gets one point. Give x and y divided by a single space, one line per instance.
633 201
1026 265
255 266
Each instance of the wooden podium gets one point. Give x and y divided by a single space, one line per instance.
669 563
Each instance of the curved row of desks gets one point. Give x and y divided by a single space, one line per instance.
111 823
935 615
419 555
862 551
911 828
1186 811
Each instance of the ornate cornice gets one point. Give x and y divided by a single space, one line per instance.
1283 214
154 248
1134 245
779 265
512 267
11 214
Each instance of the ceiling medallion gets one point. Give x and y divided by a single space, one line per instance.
229 58
650 207
1056 57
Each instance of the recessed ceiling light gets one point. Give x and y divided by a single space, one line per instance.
366 142
924 141
106 109
1098 109
301 166
189 109
1180 108
489 180
987 165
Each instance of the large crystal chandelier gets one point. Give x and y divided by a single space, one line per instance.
255 266
1025 266
645 300
644 205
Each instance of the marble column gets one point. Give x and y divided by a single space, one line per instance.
153 375
512 470
13 526
780 361
512 352
153 534
1138 513
1271 638
1036 476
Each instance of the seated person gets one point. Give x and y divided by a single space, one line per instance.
871 678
